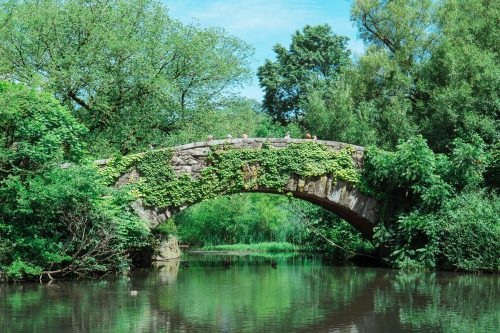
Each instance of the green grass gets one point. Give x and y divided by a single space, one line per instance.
257 247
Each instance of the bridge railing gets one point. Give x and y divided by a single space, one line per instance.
257 143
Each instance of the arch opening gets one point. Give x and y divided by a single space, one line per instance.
265 221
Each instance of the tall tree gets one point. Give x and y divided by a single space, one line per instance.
315 57
436 62
125 68
458 84
399 26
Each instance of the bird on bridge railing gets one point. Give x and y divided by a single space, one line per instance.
287 136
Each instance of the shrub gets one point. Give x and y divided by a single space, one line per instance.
470 227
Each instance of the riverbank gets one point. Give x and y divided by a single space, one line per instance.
256 247
285 249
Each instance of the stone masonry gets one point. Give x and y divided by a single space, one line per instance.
339 197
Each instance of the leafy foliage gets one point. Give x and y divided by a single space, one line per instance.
35 131
237 117
470 227
240 218
255 247
126 69
65 222
54 220
315 57
248 222
427 220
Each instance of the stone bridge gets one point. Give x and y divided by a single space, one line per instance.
338 196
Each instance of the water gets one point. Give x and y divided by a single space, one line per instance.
299 295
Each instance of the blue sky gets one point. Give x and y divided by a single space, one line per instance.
263 23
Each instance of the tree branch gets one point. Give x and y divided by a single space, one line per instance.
387 42
78 100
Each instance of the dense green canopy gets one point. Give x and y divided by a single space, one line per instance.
125 69
315 58
85 79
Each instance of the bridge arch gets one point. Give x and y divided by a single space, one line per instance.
169 180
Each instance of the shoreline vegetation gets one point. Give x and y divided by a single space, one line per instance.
422 98
256 247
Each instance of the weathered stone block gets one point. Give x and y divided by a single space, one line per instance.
168 249
128 178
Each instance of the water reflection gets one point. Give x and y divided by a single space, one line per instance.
248 295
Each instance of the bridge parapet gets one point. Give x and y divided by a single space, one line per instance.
191 158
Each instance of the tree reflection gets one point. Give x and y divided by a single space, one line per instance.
248 295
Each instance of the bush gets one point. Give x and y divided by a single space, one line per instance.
36 132
470 232
240 218
257 247
65 222
55 221
434 211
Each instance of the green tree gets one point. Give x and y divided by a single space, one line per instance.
435 211
315 57
236 117
458 84
432 66
126 69
248 218
399 26
36 132
385 78
55 220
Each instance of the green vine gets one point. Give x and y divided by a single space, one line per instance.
118 166
230 170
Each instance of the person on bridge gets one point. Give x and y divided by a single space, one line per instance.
308 136
287 136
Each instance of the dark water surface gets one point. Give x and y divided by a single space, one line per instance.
299 295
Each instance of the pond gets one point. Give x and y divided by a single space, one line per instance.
227 293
